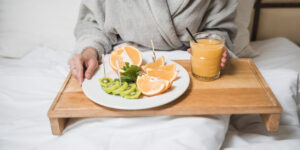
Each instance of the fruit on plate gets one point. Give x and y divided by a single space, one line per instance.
133 95
124 89
157 78
130 73
151 86
167 72
158 62
111 87
120 89
158 71
131 87
125 54
105 81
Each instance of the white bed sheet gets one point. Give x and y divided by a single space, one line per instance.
248 131
279 63
29 85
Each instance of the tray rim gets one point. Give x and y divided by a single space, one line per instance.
60 92
275 108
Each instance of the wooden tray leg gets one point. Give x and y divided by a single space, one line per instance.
271 121
58 125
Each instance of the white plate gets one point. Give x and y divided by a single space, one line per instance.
94 91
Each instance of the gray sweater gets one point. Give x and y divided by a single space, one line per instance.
104 23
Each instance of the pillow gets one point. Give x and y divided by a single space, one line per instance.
277 53
242 20
25 25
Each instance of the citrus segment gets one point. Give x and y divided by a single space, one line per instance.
151 86
125 54
167 72
159 62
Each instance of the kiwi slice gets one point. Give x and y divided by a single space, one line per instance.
105 81
130 88
111 87
134 94
120 89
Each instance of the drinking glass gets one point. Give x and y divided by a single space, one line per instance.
206 55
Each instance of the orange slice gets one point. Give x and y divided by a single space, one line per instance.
159 62
151 86
167 72
125 54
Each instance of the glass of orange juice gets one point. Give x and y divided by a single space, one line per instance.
206 55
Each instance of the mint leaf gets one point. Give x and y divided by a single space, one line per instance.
130 73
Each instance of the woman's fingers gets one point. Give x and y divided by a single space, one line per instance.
73 68
84 65
189 50
224 58
76 66
224 52
223 62
92 65
90 61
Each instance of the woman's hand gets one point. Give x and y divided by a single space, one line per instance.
84 65
223 60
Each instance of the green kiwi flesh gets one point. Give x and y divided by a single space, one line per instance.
134 94
131 87
105 81
111 87
120 89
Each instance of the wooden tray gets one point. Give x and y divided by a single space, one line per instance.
240 90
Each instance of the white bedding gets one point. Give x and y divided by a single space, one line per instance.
29 85
279 64
277 53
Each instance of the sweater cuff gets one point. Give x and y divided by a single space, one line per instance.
231 54
87 43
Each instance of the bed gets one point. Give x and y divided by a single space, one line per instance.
34 67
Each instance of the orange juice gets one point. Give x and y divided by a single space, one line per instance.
206 58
